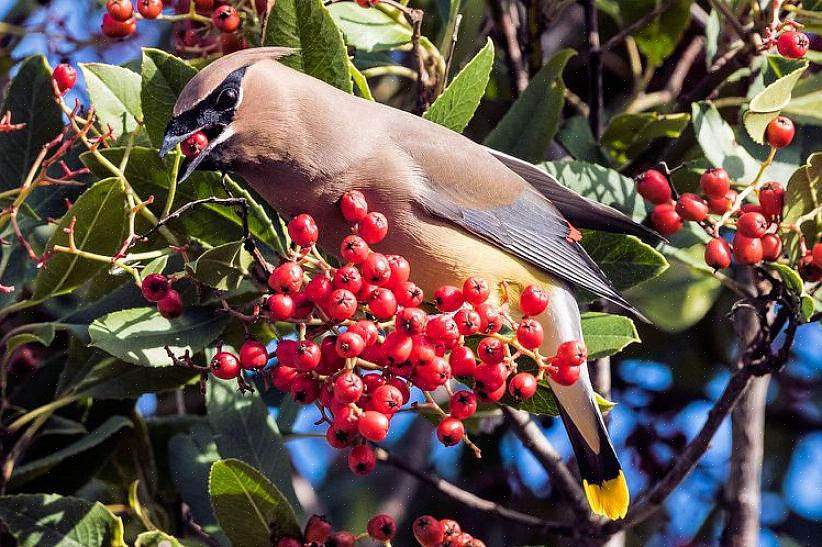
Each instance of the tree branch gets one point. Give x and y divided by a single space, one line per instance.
595 98
506 28
636 25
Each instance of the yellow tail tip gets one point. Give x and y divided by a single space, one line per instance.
609 499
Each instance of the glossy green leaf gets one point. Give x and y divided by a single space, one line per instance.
139 335
529 126
158 265
249 508
626 260
804 195
56 521
719 143
657 39
767 104
307 26
243 429
163 78
115 93
542 403
101 215
369 29
806 101
457 104
628 135
606 334
30 100
789 276
156 538
224 266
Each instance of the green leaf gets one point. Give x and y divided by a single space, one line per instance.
789 276
57 521
223 267
713 27
43 335
719 143
249 508
806 101
807 306
542 403
529 126
369 29
628 135
101 213
577 139
599 184
767 104
804 195
307 26
138 335
210 223
606 334
115 93
30 100
164 76
112 379
36 468
626 260
243 429
657 39
156 266
156 538
457 104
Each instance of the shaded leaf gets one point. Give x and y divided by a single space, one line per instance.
138 335
156 538
163 78
115 93
457 104
606 334
626 260
223 267
804 195
249 508
577 139
719 143
112 379
789 276
628 135
767 104
369 29
806 101
530 124
657 39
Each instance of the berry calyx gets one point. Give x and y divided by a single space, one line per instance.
225 366
715 183
155 287
382 528
779 132
65 76
450 431
361 460
463 404
718 253
475 290
793 44
653 186
428 531
194 145
665 219
226 18
692 207
171 305
150 9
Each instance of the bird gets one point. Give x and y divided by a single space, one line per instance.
457 208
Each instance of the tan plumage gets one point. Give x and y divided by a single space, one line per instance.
455 209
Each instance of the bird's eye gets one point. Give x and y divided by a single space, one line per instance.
226 99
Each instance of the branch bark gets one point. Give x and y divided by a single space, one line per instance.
595 95
508 32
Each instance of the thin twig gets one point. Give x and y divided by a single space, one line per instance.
508 32
595 94
636 25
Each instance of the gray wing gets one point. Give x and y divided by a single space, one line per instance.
580 211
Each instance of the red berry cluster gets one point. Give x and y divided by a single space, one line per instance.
364 341
157 288
430 532
319 532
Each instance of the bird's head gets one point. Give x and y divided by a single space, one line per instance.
219 101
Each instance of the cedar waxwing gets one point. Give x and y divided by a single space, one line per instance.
456 208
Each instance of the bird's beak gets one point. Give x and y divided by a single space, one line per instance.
176 133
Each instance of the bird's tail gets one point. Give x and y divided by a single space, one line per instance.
602 476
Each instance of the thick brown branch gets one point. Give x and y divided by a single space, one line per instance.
508 32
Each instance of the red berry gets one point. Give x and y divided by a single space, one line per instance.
387 399
341 539
463 404
65 76
280 307
529 334
253 354
353 205
475 290
201 5
665 219
718 253
342 304
462 362
171 305
411 321
722 205
428 531
318 289
286 278
450 431
373 425
373 228
486 395
120 10
231 42
448 298
368 330
793 44
307 355
376 269
382 303
752 225
382 528
302 229
808 269
194 145
286 352
653 186
408 294
350 344
571 354
771 247
226 19
533 300
692 207
282 377
113 28
780 132
155 287
348 387
490 318
304 390
361 460
289 541
523 386
715 183
429 375
400 270
442 329
817 254
451 528
772 199
150 9
747 250
317 529
225 366
348 277
491 350
468 322
490 376
397 347
354 249
566 376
